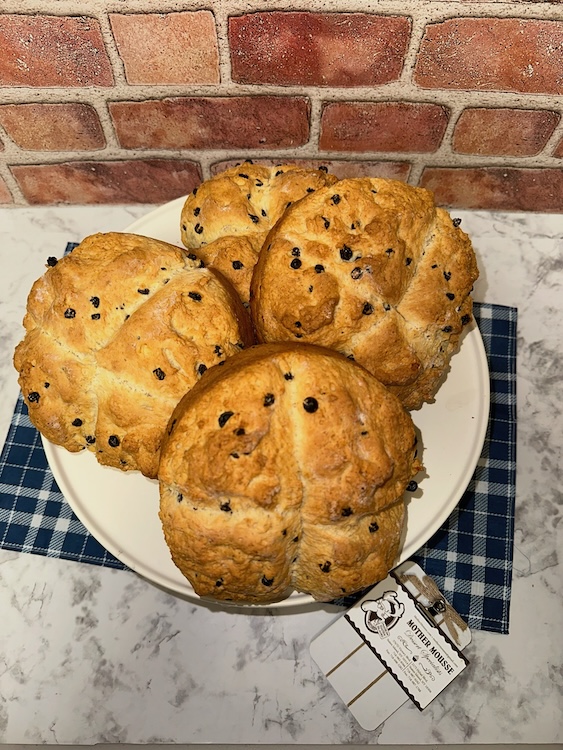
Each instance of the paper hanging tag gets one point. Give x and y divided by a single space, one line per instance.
401 639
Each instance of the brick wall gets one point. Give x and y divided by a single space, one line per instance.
109 101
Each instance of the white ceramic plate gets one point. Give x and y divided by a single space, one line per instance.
120 509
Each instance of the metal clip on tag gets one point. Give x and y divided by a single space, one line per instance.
438 608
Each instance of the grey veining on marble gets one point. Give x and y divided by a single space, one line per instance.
91 655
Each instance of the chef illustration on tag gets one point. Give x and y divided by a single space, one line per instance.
383 613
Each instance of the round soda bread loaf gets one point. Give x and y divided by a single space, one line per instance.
227 217
285 470
116 333
372 268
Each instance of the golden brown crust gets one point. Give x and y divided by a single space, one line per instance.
116 333
285 469
369 267
228 216
234 258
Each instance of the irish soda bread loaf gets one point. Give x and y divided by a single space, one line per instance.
285 469
116 333
228 216
372 268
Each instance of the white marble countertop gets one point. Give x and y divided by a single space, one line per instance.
94 655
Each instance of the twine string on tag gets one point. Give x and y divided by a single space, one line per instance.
432 599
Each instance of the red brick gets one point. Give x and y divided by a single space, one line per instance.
5 195
142 181
317 49
503 132
221 122
167 47
495 188
382 126
53 127
493 54
393 170
559 150
52 51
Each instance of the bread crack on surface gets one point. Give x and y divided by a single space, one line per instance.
293 408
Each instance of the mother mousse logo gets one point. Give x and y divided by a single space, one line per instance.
383 613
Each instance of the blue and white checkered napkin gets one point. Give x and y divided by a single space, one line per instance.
470 557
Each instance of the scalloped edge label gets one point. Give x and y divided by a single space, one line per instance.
394 642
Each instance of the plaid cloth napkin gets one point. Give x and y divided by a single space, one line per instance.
470 557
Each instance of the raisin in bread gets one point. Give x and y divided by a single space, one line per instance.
285 470
116 333
228 216
372 268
